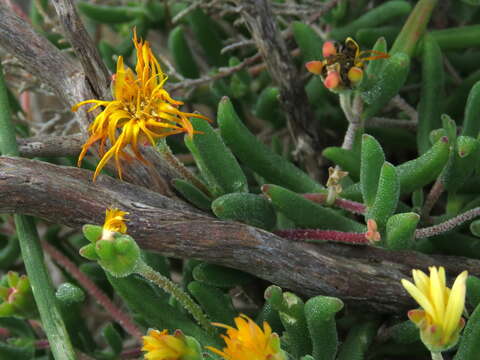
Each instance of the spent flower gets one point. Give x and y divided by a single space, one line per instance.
249 341
142 111
440 319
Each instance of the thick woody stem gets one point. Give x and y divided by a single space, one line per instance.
363 276
324 235
260 21
76 34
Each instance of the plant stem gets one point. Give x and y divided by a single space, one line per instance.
351 206
173 289
432 198
437 356
32 254
174 163
447 225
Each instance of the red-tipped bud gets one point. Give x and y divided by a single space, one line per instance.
329 49
332 80
315 67
355 75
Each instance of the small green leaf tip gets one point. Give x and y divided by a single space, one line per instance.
69 293
92 232
88 252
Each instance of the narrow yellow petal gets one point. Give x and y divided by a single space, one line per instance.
437 294
419 297
422 282
456 304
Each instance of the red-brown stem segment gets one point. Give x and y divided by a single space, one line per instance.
351 206
329 235
447 225
93 290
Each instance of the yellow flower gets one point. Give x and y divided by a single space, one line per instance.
249 341
142 111
114 222
161 346
440 320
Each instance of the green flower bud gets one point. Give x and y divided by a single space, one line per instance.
118 256
16 297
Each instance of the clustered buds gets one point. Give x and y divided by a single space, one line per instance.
342 66
16 296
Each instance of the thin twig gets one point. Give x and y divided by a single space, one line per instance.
222 72
400 103
432 198
185 11
236 45
447 225
93 290
391 123
457 79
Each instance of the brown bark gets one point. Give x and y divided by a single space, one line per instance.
260 21
362 276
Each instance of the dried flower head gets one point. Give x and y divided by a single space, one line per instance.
372 233
440 319
249 341
141 111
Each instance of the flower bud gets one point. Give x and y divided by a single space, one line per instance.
332 81
16 297
355 75
159 345
315 67
329 49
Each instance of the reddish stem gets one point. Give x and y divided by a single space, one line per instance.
352 206
93 290
330 235
132 353
42 344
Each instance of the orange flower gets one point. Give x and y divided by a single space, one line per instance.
142 111
249 341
